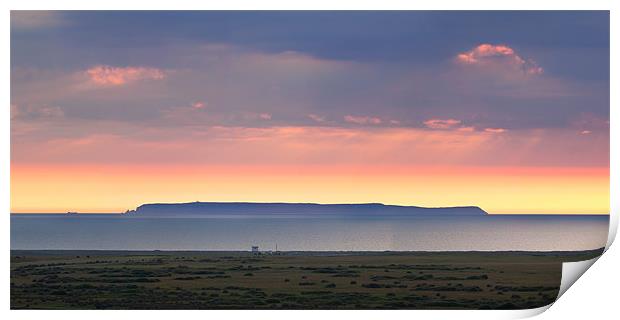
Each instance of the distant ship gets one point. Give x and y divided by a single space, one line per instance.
72 212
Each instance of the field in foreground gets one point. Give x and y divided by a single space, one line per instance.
290 280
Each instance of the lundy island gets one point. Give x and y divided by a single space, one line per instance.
200 208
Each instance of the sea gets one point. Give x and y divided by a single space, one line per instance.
232 232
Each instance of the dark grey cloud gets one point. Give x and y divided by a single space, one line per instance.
389 65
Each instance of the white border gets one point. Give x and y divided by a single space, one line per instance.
593 298
311 5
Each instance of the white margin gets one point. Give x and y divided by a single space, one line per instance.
570 271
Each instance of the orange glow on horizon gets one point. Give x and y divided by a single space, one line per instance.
94 188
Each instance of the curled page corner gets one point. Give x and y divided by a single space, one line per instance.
529 313
613 229
571 271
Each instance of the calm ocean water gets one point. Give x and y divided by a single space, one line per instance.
239 232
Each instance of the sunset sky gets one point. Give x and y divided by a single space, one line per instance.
508 111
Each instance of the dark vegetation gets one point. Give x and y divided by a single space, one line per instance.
238 280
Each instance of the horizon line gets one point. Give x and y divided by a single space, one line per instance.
493 212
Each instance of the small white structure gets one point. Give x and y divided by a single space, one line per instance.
255 249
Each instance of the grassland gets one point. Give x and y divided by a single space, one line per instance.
291 280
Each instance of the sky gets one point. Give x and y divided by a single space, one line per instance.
508 111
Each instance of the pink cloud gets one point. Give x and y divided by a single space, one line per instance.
305 146
590 122
316 118
116 76
265 116
484 51
490 55
586 132
441 123
33 111
199 105
467 129
362 119
495 130
33 20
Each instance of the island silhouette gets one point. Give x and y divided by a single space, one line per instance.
201 208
